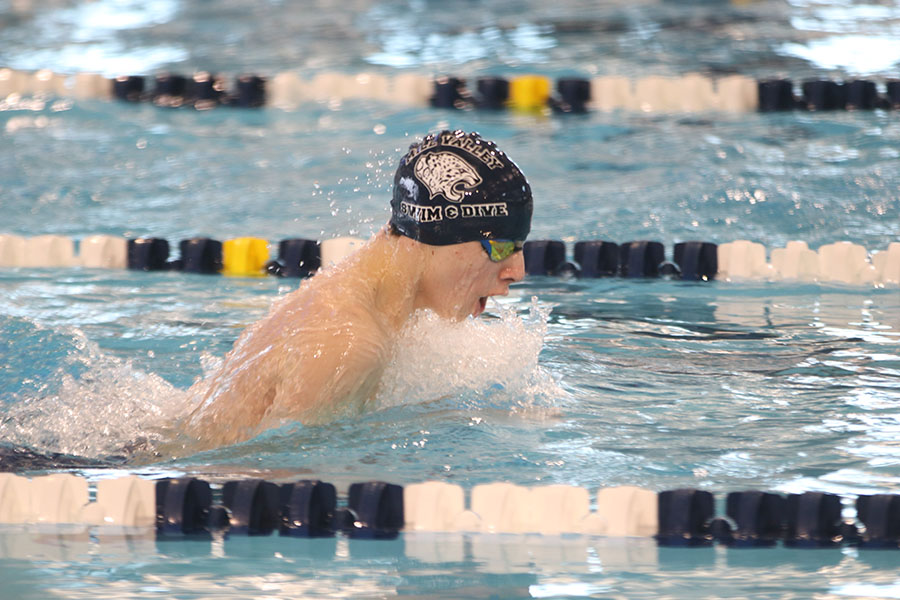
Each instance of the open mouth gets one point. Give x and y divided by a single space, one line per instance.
482 303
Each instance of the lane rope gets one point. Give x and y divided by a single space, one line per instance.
740 260
688 93
186 507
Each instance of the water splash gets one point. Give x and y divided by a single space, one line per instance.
101 406
479 362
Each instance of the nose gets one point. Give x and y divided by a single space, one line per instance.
514 270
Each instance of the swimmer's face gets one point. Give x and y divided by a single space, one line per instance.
461 277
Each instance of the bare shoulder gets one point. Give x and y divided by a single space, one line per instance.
329 349
320 350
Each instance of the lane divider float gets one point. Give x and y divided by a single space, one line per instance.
191 507
741 260
533 93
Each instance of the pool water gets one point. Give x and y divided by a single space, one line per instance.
722 386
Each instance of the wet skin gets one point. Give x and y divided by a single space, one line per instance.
322 349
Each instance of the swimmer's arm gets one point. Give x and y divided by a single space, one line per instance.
342 369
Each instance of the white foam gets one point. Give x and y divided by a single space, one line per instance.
473 359
110 408
102 406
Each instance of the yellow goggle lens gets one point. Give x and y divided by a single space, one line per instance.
498 250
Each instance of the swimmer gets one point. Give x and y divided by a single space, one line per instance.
460 213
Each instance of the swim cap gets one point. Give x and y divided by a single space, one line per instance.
455 187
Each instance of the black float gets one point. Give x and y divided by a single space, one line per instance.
573 95
684 518
861 95
641 258
824 95
254 506
201 255
129 88
374 511
296 258
492 93
449 92
307 509
544 257
597 258
205 91
775 95
148 254
892 89
169 90
881 516
250 92
182 506
697 260
759 517
813 520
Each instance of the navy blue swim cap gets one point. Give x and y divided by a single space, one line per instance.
454 187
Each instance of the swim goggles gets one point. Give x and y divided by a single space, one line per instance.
498 250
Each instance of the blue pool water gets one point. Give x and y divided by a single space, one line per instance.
722 386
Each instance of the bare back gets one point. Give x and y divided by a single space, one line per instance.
319 352
322 350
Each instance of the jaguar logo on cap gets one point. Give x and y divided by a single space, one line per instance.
447 174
